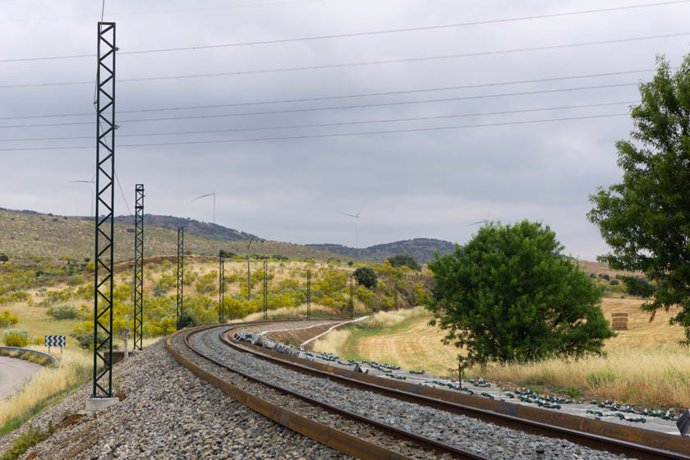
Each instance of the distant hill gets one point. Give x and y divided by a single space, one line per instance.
29 234
191 227
422 249
32 234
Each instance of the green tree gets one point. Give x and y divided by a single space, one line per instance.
646 218
511 295
404 260
366 276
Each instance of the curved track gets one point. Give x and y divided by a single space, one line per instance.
630 441
346 431
214 347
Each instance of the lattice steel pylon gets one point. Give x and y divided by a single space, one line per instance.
352 298
104 213
265 289
138 299
308 295
180 276
221 287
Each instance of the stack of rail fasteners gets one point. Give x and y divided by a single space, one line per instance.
619 321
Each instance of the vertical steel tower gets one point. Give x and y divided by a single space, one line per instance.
104 212
180 275
265 289
221 287
352 298
138 300
308 295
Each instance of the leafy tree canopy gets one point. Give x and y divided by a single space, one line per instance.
646 218
366 276
511 295
404 260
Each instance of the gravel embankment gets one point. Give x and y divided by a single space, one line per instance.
463 432
167 413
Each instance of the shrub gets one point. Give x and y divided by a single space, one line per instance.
638 286
8 319
63 312
4 258
187 320
85 340
366 276
404 260
76 280
15 338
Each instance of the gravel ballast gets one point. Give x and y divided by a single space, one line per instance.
463 432
167 413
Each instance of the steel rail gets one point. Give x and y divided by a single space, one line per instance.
631 441
319 432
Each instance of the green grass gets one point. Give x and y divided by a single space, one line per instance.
365 329
42 405
26 441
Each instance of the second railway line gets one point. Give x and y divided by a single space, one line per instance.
465 434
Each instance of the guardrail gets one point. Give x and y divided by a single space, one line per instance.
20 350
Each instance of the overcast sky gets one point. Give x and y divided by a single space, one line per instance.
413 182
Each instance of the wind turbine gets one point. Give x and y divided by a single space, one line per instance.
93 186
483 221
356 217
213 194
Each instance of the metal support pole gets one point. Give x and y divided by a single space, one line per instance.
308 294
180 275
138 300
265 289
249 272
104 213
221 287
352 298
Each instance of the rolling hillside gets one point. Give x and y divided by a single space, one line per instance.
191 227
422 249
31 234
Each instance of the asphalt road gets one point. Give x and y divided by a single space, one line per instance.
13 373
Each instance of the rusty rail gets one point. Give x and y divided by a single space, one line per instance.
619 439
334 438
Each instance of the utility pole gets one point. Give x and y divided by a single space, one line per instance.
352 298
308 294
221 287
180 276
104 213
138 300
249 272
265 289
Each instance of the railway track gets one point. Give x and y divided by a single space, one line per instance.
319 411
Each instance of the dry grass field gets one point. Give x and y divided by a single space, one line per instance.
643 365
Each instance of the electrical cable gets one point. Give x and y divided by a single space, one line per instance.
362 34
356 64
122 192
320 136
334 124
356 106
349 96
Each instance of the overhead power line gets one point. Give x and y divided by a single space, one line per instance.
361 34
349 96
158 12
338 107
334 124
357 64
320 136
